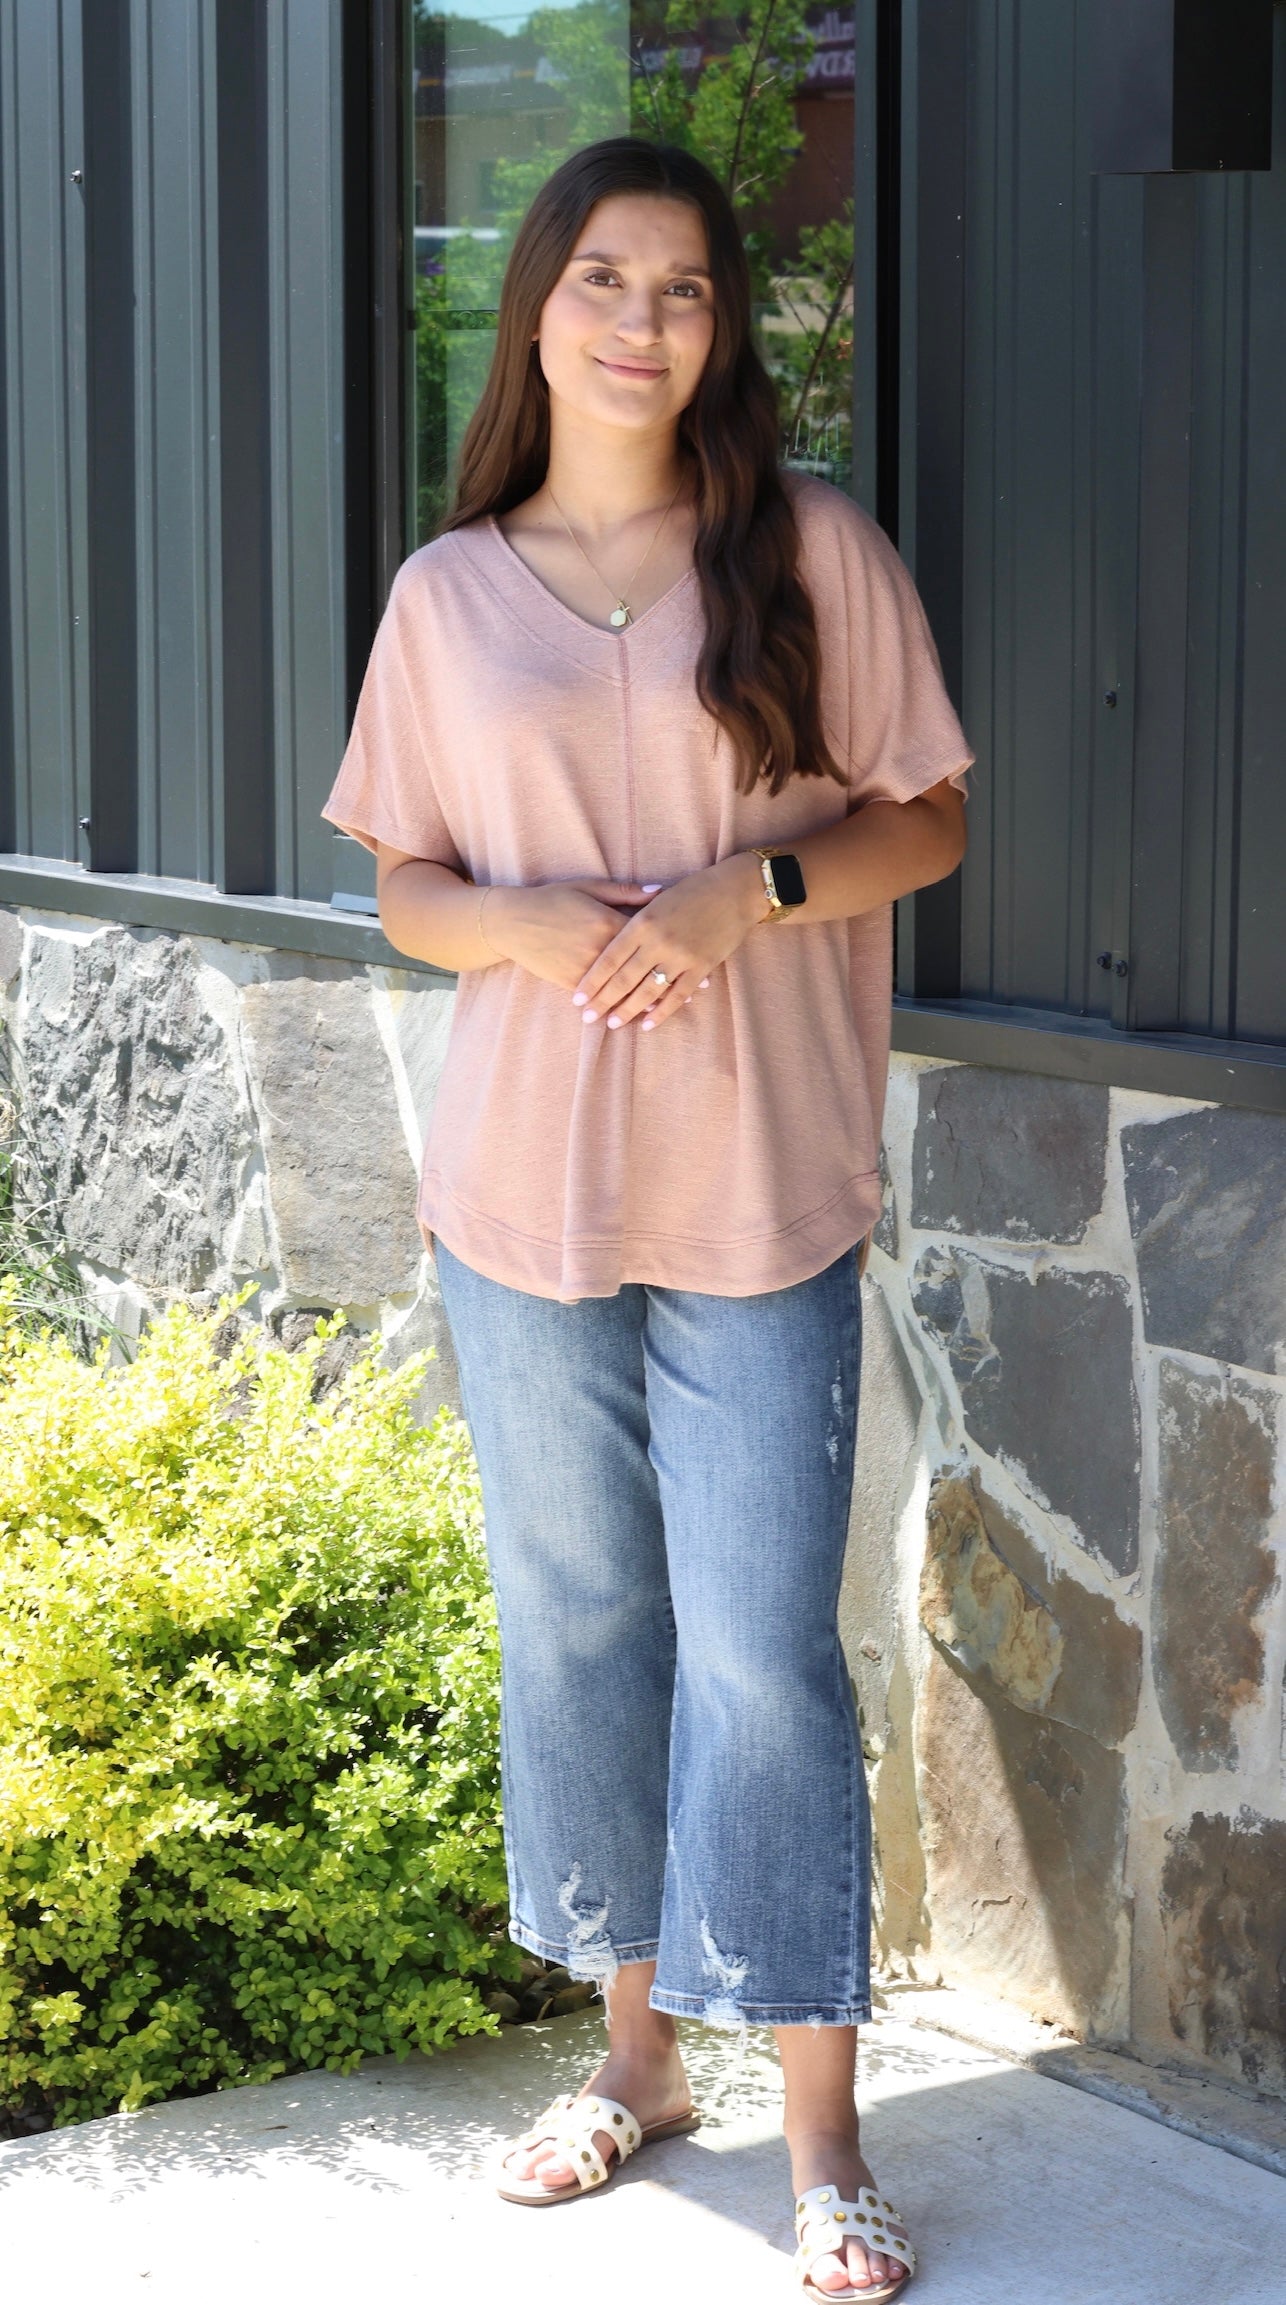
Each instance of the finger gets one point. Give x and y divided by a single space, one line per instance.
628 993
617 892
674 1003
615 960
652 1006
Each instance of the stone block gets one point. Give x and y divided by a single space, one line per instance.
340 1181
888 1417
1224 1921
1207 1200
1009 1155
423 1329
422 1021
1215 1563
885 1234
338 1354
1044 1365
1043 1640
134 1099
10 946
1023 1823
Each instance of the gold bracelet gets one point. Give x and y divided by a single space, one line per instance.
483 894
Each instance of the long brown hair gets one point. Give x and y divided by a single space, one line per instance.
759 667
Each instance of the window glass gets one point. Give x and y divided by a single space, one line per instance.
764 97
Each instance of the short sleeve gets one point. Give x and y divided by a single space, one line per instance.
385 787
887 712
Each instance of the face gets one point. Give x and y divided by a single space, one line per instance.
626 333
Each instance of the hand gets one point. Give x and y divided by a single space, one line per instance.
687 930
557 931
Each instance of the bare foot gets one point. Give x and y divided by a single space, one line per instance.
833 2157
654 2086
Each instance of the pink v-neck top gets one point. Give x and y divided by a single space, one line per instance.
736 1149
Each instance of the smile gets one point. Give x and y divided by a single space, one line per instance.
623 368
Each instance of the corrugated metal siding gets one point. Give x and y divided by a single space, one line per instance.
66 626
305 208
176 430
1125 535
1053 281
43 748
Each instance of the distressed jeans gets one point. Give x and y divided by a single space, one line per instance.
666 1480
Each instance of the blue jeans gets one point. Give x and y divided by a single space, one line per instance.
666 1479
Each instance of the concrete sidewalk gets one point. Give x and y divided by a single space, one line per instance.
1017 2189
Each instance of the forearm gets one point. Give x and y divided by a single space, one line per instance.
882 851
431 914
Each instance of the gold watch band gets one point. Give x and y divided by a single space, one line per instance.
776 909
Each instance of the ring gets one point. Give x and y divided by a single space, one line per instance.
659 976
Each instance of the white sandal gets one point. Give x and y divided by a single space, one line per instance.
570 2123
824 2221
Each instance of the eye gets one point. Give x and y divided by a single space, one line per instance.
689 288
599 278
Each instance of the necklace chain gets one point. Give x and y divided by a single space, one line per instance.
621 614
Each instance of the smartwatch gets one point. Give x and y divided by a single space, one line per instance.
783 881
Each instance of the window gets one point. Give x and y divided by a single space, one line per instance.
764 96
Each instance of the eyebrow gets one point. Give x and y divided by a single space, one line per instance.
597 256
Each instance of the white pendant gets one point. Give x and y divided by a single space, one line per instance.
620 615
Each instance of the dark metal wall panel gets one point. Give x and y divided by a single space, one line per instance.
180 350
110 455
44 753
1050 412
929 508
306 271
1259 833
1215 515
176 370
243 811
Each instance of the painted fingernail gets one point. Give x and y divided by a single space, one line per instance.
613 1023
579 999
590 1016
652 887
649 1024
704 984
687 1000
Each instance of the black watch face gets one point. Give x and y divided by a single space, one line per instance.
788 880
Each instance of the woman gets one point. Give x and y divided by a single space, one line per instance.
619 753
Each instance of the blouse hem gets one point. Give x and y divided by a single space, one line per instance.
569 1271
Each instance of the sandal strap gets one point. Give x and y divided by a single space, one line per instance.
824 2221
570 2124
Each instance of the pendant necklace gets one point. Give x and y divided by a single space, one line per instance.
620 615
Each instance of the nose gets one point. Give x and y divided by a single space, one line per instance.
638 321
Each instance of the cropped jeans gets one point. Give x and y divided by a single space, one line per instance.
666 1480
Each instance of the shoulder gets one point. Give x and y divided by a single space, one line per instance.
435 600
832 526
862 591
439 564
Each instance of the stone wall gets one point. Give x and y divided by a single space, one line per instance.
1063 1605
211 1115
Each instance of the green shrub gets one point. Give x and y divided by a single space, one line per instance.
249 1800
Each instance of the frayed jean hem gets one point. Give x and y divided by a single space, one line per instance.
731 2016
580 1964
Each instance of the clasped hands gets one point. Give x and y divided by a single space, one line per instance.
601 939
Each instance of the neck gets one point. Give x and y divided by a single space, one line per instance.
604 477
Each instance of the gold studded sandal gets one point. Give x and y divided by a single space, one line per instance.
570 2123
824 2222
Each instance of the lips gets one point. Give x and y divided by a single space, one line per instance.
628 368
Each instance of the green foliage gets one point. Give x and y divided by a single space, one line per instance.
739 118
249 1804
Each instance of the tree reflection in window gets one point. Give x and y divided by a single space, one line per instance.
764 97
